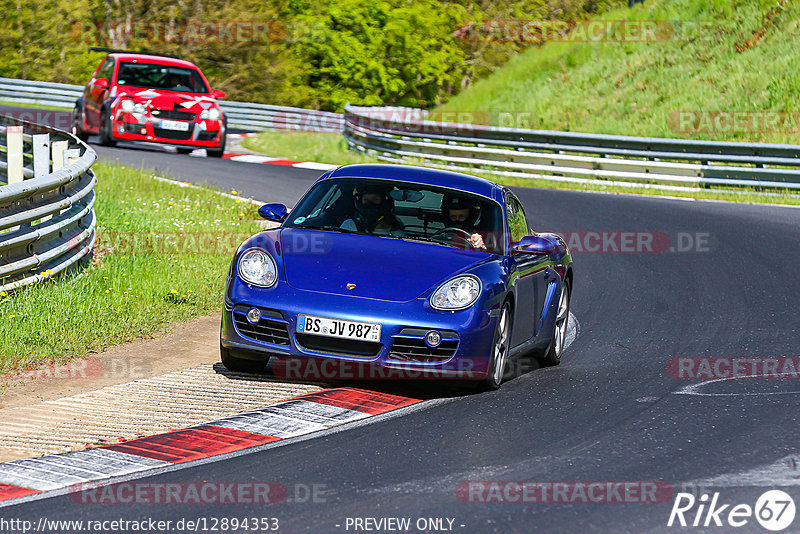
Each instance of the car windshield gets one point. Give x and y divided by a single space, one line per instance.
402 210
163 77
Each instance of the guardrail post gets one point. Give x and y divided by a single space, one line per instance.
41 154
71 156
58 148
14 153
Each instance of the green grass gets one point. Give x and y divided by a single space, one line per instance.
321 147
130 292
638 88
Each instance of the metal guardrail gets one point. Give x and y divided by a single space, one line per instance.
47 221
246 115
398 133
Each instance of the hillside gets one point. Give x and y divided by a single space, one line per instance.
714 70
317 54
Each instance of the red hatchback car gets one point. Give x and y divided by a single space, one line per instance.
145 97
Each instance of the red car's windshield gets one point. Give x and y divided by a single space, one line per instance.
163 77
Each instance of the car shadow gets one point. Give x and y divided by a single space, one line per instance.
281 370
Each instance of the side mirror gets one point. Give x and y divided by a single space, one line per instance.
534 244
216 93
273 212
101 83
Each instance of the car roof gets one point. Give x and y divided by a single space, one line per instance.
154 60
419 175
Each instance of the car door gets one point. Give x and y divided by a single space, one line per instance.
95 96
530 282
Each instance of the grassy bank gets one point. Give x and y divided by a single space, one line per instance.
321 147
162 256
707 57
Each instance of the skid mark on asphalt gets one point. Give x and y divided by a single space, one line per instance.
140 408
302 415
783 472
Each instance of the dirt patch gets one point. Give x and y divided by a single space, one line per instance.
187 345
759 33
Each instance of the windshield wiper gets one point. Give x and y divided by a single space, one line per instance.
423 238
328 228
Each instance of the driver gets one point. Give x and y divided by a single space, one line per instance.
374 212
175 83
459 212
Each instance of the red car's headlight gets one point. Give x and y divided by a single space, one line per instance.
210 114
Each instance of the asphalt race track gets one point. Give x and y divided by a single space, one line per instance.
706 279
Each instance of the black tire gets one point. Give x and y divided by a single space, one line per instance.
185 150
77 129
494 377
553 354
105 130
242 365
217 152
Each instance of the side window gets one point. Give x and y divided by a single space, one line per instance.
106 69
517 224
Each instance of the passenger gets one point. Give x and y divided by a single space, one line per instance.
459 212
374 212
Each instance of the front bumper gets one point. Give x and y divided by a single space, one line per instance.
468 335
135 127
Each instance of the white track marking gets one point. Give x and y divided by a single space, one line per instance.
573 327
694 389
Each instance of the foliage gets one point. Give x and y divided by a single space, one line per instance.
311 53
727 71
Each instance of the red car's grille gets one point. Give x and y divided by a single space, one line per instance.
173 114
172 134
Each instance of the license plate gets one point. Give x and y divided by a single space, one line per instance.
325 326
174 125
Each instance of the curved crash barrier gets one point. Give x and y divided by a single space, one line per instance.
47 221
395 133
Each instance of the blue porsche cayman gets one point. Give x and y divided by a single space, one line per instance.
433 274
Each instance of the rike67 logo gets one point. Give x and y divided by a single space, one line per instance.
774 510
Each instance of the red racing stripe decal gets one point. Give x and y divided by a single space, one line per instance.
286 162
7 491
362 400
192 444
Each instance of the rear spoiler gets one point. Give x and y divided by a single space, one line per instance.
115 51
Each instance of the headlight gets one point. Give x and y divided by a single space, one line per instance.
139 108
211 114
456 294
127 106
257 267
